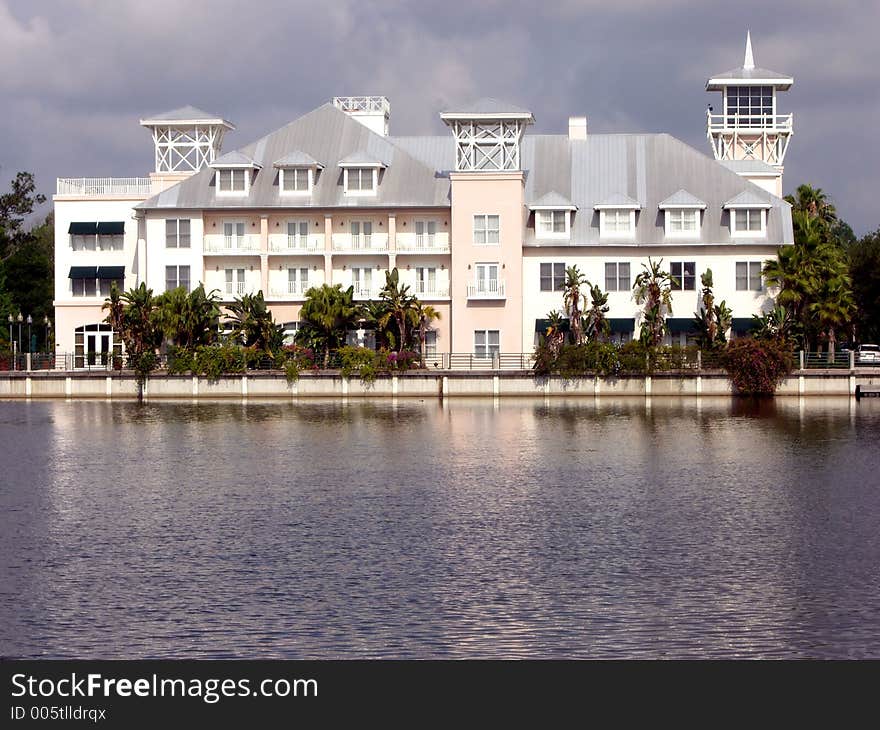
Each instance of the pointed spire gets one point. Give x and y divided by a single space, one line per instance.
749 62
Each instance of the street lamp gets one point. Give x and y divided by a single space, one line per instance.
30 321
48 324
20 320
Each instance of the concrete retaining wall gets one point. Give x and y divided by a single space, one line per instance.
430 384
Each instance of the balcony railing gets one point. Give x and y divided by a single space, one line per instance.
750 122
428 289
363 291
296 243
236 288
96 186
369 104
423 243
486 289
232 244
360 242
290 288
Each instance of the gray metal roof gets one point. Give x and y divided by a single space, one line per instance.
646 168
235 159
552 200
184 114
757 198
487 106
754 167
297 158
682 199
751 74
617 200
361 158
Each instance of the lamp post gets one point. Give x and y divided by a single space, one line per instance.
20 320
11 343
30 321
48 324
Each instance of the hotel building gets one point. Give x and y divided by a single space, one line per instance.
480 222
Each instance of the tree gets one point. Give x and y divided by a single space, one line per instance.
814 204
425 314
596 325
653 289
400 306
327 314
253 324
15 207
138 324
863 258
777 324
713 320
572 298
188 319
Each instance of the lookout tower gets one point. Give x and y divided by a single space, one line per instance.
186 140
488 135
750 131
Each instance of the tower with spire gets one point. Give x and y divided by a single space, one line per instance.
749 135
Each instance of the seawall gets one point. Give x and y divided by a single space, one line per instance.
414 384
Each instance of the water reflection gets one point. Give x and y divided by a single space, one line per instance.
498 527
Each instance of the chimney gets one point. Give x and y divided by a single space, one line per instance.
371 111
577 127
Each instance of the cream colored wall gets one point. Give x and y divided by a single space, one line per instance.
68 318
487 193
158 255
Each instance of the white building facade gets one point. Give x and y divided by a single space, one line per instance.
481 222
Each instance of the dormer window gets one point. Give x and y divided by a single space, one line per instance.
748 214
553 213
233 182
234 174
296 181
617 216
360 174
682 213
361 180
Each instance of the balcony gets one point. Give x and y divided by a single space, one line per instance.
363 243
363 292
287 244
135 187
427 290
236 288
422 243
247 244
750 123
486 289
290 290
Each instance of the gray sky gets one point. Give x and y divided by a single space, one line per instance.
77 75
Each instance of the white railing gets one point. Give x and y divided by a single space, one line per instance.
296 242
88 186
426 289
486 289
362 291
360 242
424 242
236 288
231 244
749 122
291 288
369 104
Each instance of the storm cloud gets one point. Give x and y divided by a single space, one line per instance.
76 76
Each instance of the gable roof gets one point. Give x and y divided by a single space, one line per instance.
186 114
750 199
553 200
297 158
617 200
235 159
681 199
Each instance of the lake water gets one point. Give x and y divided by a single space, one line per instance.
710 528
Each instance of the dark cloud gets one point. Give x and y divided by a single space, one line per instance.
78 74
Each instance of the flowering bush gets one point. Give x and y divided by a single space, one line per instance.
403 360
756 367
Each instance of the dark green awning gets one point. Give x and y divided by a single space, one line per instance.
83 272
621 326
111 272
541 325
111 228
83 229
681 324
742 324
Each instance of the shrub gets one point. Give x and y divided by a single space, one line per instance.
360 360
591 357
756 367
293 359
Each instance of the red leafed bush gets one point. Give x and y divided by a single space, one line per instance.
756 367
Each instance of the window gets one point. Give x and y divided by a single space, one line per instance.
104 286
748 221
297 280
233 181
486 278
296 180
431 343
297 234
617 222
426 280
552 223
487 343
110 242
425 232
682 222
362 280
748 276
747 105
235 284
83 287
233 234
177 233
83 243
361 234
176 276
552 277
684 275
617 276
360 180
95 344
486 229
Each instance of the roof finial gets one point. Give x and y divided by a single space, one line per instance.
749 61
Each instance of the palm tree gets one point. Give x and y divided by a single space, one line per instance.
653 288
596 325
571 299
425 314
327 314
253 323
115 308
400 307
188 319
138 326
814 203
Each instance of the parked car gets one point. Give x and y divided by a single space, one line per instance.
868 355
